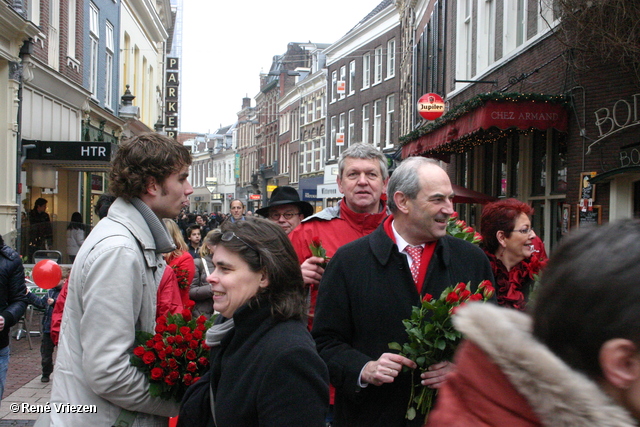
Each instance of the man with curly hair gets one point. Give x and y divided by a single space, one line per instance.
113 286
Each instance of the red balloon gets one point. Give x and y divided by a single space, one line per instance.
47 274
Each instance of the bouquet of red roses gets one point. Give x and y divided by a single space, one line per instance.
458 228
432 337
176 356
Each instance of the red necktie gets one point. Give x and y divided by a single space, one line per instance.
415 252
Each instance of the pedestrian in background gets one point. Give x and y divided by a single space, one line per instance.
75 235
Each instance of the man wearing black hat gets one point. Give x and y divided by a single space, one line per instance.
286 209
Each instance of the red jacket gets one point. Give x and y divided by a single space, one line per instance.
56 316
169 298
335 226
184 268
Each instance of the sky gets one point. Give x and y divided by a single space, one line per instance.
226 44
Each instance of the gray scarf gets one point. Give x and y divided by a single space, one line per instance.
164 243
217 332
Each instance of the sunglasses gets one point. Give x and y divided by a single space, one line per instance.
227 236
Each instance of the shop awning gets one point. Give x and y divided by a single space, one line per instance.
485 123
464 195
614 173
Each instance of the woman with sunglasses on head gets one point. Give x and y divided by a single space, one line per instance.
265 369
515 252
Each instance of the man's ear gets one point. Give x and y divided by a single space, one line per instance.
152 186
401 200
620 362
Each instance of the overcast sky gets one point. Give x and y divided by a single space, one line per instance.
226 44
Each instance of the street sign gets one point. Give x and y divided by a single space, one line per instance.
211 183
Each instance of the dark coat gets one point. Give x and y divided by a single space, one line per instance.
365 293
42 303
13 298
265 373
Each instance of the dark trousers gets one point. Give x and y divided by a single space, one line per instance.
46 351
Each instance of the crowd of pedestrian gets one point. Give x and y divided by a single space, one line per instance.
301 337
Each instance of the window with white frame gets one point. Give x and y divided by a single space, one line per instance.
34 11
53 57
352 127
352 77
303 114
334 131
377 122
366 123
391 58
71 34
317 154
515 25
464 46
319 107
378 65
310 111
486 34
389 132
343 124
94 35
366 70
334 85
108 96
343 76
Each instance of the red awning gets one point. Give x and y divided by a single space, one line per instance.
464 195
502 115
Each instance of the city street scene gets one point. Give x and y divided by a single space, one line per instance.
371 213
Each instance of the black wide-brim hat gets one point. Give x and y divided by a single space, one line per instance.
285 195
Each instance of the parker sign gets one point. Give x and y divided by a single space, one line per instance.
431 106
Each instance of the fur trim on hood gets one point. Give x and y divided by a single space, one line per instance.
559 395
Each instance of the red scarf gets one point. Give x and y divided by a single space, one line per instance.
427 253
510 283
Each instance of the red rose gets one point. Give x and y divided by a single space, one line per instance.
174 375
173 364
488 292
169 381
201 328
159 346
468 229
195 380
150 343
162 320
164 363
188 337
186 313
476 297
178 352
193 344
160 328
190 304
464 295
192 367
452 297
477 238
203 361
138 351
178 339
460 287
427 297
315 241
168 349
197 335
162 355
454 215
484 284
185 330
172 328
148 357
157 337
201 319
171 340
187 379
156 374
191 355
204 345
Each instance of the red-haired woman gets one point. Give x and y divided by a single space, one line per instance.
515 252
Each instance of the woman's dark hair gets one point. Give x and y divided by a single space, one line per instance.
76 222
103 204
272 252
589 294
39 202
149 155
500 216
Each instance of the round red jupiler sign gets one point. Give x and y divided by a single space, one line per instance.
431 106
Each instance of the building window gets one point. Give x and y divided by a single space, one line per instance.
94 33
366 123
464 54
389 133
377 122
303 114
378 65
310 112
343 76
334 85
391 58
334 130
486 37
71 34
34 11
366 70
352 77
108 98
319 107
352 127
54 35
